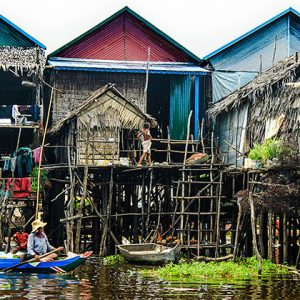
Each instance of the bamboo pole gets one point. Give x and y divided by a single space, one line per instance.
169 146
84 193
183 175
202 139
147 80
149 201
218 216
70 207
143 201
41 155
11 191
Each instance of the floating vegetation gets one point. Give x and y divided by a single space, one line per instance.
242 269
113 259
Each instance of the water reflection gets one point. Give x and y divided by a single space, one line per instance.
95 281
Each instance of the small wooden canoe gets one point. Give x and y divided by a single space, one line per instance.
57 266
149 253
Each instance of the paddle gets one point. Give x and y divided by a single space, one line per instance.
27 261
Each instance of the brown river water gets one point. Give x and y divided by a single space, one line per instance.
97 281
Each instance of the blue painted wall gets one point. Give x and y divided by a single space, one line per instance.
180 105
240 62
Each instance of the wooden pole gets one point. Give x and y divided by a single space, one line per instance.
149 201
169 146
11 191
84 192
147 80
284 233
270 236
218 216
202 139
70 208
183 174
237 231
253 227
41 155
108 212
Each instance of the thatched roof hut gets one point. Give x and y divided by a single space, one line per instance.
247 115
98 108
102 117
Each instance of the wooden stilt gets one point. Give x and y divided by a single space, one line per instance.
237 233
253 227
270 236
84 192
284 238
218 216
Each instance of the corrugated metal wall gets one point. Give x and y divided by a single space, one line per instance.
180 105
231 127
11 37
245 56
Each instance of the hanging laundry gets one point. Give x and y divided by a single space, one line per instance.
6 166
36 155
24 162
9 163
15 113
21 188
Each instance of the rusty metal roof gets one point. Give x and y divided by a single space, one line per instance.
126 36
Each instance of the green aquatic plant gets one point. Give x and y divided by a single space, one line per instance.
242 269
113 259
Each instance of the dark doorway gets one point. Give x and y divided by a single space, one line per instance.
158 99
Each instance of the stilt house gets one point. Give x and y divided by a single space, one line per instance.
122 50
269 104
22 61
239 74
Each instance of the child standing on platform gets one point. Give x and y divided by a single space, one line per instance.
146 138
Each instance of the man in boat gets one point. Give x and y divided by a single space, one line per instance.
145 137
38 243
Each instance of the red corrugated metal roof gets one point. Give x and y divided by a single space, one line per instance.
124 37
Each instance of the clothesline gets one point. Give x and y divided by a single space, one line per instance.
4 158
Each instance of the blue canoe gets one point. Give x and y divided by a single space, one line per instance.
56 266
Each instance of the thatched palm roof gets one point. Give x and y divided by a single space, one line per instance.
129 115
268 96
23 59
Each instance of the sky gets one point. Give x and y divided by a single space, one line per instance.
199 25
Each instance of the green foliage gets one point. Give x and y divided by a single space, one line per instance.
242 269
113 259
272 148
256 153
34 178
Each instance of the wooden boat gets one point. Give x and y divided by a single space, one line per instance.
57 266
149 253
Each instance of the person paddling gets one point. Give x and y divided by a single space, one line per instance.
38 243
